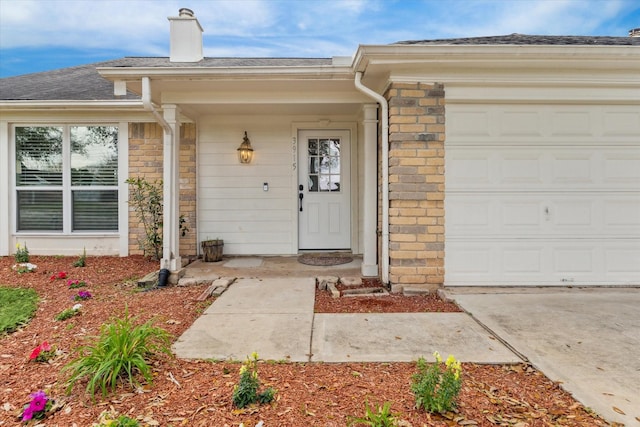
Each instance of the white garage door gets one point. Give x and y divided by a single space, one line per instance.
542 195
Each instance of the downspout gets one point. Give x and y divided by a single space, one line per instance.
148 105
384 113
168 133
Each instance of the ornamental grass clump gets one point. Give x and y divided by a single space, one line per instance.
436 386
245 393
120 353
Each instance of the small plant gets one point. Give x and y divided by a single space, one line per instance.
38 407
82 261
111 419
42 353
24 267
120 352
245 393
82 296
58 275
436 387
75 284
22 253
146 199
68 313
380 417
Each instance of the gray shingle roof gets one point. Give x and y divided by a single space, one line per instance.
84 83
525 39
81 83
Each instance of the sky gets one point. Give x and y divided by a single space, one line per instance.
42 35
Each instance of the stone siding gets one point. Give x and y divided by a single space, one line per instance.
416 185
146 160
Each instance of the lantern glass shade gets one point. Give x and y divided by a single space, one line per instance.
245 151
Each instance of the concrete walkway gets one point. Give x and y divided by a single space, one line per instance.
587 339
274 317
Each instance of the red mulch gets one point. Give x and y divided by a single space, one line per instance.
198 393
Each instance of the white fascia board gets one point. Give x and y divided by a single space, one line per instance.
18 105
511 56
263 73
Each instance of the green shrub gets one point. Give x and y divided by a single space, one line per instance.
17 307
380 417
245 392
119 353
436 387
146 199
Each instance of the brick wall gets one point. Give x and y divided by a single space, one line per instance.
146 159
188 187
416 185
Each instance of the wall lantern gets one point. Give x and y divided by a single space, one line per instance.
245 151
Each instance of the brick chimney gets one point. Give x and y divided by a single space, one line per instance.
186 37
634 32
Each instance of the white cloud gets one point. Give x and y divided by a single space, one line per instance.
288 27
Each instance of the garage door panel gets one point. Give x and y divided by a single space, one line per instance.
543 262
572 168
623 260
524 167
622 214
622 168
520 261
572 261
621 123
520 123
470 215
542 194
571 123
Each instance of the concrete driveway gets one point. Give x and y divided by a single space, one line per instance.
588 339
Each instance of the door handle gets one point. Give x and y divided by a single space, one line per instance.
300 197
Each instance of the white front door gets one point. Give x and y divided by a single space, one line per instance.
324 196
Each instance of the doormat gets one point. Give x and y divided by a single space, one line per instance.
324 259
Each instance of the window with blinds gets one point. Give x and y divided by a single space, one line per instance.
67 178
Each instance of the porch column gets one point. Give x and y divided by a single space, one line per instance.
171 193
370 196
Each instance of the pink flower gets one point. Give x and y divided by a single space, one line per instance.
27 414
58 275
39 401
36 351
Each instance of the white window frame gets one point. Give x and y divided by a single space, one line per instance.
66 188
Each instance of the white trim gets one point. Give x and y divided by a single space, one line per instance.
123 188
66 234
5 194
70 105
